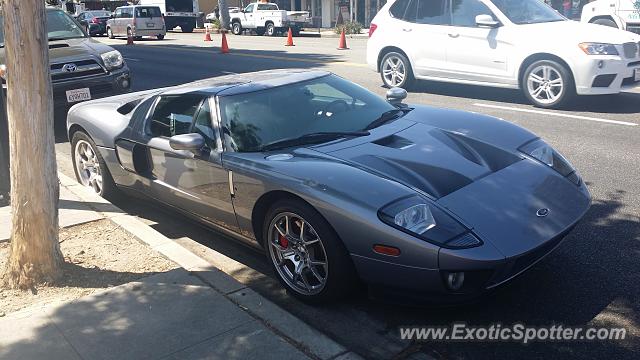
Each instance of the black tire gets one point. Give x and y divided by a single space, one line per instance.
270 29
110 33
402 65
187 28
559 97
160 37
341 276
606 22
236 28
109 189
260 31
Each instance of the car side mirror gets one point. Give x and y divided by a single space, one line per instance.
395 95
190 142
486 20
112 16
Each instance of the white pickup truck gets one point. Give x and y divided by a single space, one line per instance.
266 18
622 14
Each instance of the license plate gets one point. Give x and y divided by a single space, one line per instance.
637 77
150 25
78 95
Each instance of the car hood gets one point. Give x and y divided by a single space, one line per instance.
72 50
426 158
577 32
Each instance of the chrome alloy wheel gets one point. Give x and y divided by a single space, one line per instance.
298 253
394 71
545 84
88 166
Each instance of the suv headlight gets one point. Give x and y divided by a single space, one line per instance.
418 217
112 59
543 152
598 49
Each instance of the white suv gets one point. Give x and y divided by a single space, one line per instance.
503 43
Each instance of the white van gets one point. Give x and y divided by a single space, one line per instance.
136 21
622 14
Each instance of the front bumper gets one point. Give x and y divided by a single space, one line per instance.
597 75
113 83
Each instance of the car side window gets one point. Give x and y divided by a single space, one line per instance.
117 14
127 13
203 125
398 9
432 12
173 115
464 12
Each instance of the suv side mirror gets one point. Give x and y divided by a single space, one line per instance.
486 20
395 95
190 142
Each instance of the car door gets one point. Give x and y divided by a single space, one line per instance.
195 182
249 17
423 35
476 53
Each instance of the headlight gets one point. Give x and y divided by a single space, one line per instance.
543 152
598 49
112 59
418 217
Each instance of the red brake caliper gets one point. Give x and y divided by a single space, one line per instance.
283 242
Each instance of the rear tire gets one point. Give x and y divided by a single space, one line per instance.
326 270
271 29
606 22
395 71
85 158
548 84
160 37
236 28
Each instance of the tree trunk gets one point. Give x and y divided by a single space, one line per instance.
34 255
224 14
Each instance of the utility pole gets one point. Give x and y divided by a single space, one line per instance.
34 253
224 14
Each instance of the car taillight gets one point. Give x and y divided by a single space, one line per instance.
372 28
95 21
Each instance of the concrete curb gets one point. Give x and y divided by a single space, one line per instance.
295 331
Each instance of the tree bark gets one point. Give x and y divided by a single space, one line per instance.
224 14
34 255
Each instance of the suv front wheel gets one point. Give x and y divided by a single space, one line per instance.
548 84
395 70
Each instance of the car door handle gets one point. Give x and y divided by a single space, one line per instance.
453 35
407 30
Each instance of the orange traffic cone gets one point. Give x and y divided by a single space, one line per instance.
343 41
289 39
207 34
129 40
225 47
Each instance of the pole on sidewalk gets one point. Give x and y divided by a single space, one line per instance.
5 181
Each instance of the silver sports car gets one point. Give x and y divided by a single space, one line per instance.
336 184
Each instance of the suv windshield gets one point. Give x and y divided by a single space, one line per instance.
527 11
60 26
327 104
148 12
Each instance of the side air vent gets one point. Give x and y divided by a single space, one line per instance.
395 142
57 46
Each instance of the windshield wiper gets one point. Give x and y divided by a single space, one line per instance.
313 138
386 117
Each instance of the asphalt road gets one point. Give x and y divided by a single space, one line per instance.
592 279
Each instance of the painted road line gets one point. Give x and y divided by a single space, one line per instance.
540 112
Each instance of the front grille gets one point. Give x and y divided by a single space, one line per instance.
83 68
603 81
630 50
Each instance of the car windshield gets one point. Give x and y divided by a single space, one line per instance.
100 13
60 26
328 104
148 12
527 11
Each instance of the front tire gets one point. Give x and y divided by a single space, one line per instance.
110 33
548 84
395 71
236 28
89 166
306 254
606 22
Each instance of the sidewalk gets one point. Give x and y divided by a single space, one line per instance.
192 312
